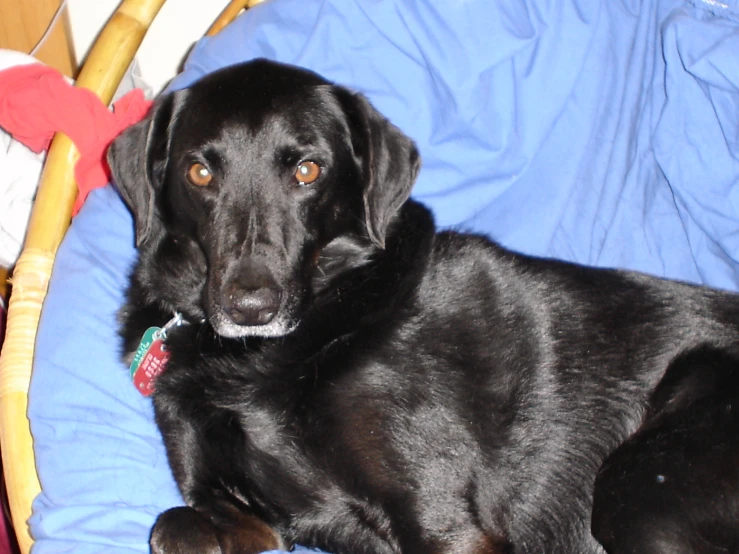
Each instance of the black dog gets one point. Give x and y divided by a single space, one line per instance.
351 379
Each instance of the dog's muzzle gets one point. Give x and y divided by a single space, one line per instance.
250 301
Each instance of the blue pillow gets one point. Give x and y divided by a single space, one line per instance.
602 132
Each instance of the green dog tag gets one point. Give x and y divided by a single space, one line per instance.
147 339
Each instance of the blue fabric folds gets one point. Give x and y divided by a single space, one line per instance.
598 131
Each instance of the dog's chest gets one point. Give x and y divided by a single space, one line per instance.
255 414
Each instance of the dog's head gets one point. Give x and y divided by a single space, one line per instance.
253 188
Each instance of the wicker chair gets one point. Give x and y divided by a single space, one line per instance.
103 70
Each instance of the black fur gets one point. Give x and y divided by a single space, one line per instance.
358 382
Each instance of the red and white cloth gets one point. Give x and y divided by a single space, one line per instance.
36 101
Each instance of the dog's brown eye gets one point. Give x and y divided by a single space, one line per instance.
307 172
199 175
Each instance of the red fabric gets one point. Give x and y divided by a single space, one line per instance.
36 101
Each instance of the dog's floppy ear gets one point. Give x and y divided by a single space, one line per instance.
390 162
138 162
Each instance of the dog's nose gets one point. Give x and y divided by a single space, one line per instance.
257 306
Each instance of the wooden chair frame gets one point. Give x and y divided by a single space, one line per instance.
102 72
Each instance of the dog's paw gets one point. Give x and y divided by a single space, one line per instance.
184 531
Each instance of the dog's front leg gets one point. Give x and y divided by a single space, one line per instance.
185 530
210 524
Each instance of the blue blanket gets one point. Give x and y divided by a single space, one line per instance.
599 131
